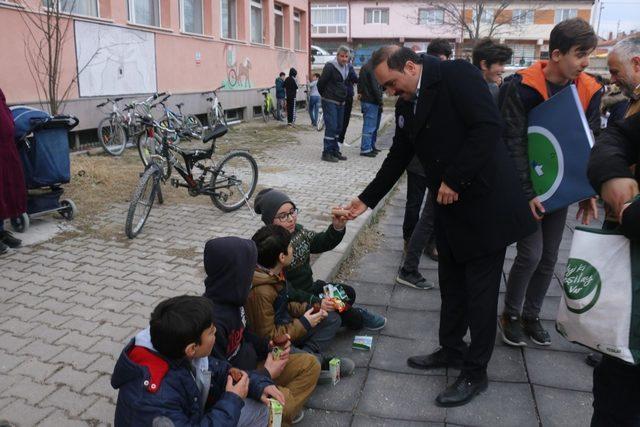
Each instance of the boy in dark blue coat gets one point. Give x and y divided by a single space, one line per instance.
165 374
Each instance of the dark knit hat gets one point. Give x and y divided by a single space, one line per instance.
267 203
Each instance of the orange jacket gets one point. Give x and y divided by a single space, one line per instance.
534 77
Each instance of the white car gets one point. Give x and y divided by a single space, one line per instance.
319 56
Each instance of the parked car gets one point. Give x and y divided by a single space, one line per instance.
319 56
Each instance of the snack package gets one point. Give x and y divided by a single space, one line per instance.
334 369
236 374
278 346
276 413
362 342
337 295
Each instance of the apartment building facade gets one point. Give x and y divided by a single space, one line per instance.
365 25
135 47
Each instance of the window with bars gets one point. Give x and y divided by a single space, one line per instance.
278 11
376 16
228 14
78 7
564 14
256 21
523 54
145 12
430 17
523 16
297 34
191 14
328 19
487 15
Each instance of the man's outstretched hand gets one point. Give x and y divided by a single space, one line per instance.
356 208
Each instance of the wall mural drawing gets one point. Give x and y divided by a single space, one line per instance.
238 72
114 60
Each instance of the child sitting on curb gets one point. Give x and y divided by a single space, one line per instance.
270 313
229 263
277 208
166 376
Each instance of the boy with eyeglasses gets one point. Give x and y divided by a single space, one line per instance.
276 207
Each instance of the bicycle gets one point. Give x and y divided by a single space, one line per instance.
230 186
111 129
268 107
187 126
120 127
215 113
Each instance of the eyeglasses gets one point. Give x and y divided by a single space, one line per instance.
284 216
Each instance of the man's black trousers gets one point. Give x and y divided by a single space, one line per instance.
469 293
348 105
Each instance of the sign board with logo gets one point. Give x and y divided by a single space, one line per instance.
600 306
559 145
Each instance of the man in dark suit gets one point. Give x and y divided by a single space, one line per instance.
446 116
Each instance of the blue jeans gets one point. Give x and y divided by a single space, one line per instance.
314 107
333 116
371 122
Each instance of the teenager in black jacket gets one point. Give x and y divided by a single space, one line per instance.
291 88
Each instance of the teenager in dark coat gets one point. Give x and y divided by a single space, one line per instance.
291 88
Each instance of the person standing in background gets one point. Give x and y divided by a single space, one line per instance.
291 88
370 95
333 91
280 96
352 79
491 57
314 99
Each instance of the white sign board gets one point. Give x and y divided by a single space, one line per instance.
114 60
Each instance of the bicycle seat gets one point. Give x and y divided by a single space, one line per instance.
180 105
197 154
264 91
216 133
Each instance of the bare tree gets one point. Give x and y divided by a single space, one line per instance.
478 19
47 23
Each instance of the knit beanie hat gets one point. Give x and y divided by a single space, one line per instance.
267 203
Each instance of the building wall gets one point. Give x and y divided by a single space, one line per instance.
185 64
403 22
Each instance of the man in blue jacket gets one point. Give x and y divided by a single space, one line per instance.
333 90
166 375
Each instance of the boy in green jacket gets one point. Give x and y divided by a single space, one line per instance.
276 207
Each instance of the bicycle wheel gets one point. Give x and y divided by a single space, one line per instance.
112 136
234 181
142 201
265 111
193 124
148 146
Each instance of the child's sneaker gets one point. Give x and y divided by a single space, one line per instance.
372 321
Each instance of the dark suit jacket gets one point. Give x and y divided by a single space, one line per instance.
455 133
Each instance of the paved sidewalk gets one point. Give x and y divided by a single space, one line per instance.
70 303
532 386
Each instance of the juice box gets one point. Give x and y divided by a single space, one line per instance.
276 413
362 342
334 369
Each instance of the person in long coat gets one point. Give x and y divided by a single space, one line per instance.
13 192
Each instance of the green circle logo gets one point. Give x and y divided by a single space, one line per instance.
581 285
545 161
